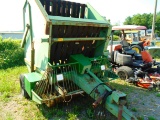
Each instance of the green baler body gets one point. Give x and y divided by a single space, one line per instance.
61 36
65 52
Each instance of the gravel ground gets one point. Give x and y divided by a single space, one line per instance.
144 105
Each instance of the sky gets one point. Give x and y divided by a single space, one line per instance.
116 10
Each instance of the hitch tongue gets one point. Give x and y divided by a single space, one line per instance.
120 111
105 94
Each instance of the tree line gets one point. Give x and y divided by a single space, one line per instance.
145 20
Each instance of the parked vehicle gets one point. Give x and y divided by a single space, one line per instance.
133 34
131 59
137 44
140 69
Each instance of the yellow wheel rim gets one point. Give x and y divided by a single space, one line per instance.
136 49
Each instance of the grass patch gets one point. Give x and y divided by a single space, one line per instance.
151 118
158 94
9 81
9 116
134 109
71 116
123 86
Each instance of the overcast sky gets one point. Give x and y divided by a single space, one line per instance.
115 10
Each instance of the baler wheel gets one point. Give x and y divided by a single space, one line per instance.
124 72
23 91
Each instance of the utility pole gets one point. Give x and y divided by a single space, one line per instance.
153 22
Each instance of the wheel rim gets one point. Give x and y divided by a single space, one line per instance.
136 49
122 75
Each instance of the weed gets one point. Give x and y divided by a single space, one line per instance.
158 95
140 118
151 118
90 113
60 112
5 96
9 116
9 80
72 116
134 109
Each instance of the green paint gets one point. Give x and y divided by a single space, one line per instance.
77 39
24 36
44 40
58 20
93 14
30 81
112 101
84 62
36 98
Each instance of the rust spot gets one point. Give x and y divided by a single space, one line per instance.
47 30
96 91
90 80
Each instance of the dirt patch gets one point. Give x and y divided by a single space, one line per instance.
12 109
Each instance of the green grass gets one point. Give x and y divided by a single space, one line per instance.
151 118
158 94
9 81
134 109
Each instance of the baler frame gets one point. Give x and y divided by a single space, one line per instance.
64 49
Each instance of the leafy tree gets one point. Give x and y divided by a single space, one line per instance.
145 20
128 21
157 24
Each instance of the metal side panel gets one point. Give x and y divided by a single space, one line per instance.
39 22
36 98
30 81
93 14
58 20
39 7
38 18
41 55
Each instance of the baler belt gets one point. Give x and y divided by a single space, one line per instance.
77 10
73 7
82 10
47 6
63 8
58 52
68 9
42 2
64 51
53 8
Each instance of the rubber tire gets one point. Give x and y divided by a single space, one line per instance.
22 86
124 72
158 69
137 47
